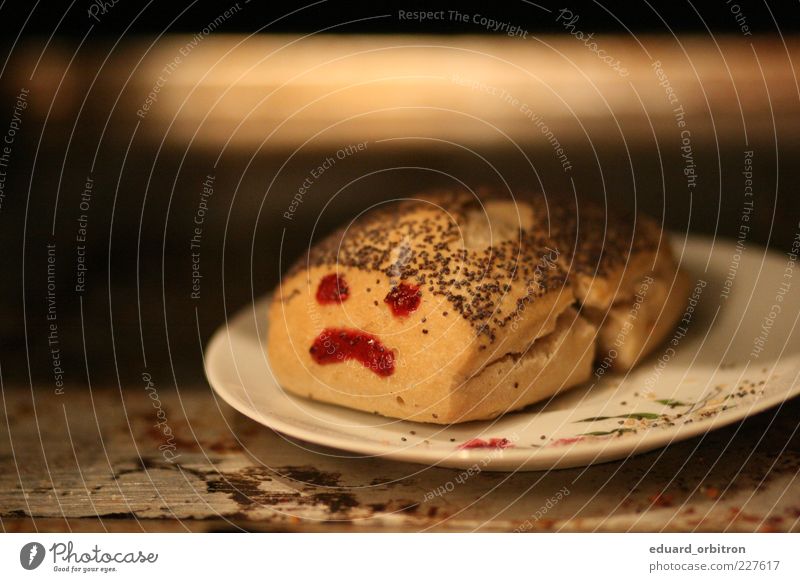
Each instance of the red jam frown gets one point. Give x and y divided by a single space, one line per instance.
335 345
403 299
332 289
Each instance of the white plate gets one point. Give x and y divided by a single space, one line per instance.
713 378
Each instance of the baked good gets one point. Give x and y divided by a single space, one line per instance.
451 307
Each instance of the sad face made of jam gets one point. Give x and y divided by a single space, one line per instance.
337 344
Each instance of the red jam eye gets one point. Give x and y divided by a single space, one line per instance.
332 289
335 345
403 299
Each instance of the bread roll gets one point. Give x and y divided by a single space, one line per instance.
448 307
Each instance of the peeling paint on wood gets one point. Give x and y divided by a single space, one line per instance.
99 468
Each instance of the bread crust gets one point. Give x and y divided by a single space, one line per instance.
631 329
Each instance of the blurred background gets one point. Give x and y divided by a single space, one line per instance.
161 163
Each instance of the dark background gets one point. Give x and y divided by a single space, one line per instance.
136 313
655 16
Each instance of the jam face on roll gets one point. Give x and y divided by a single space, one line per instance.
463 305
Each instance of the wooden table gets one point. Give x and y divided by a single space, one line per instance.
90 461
